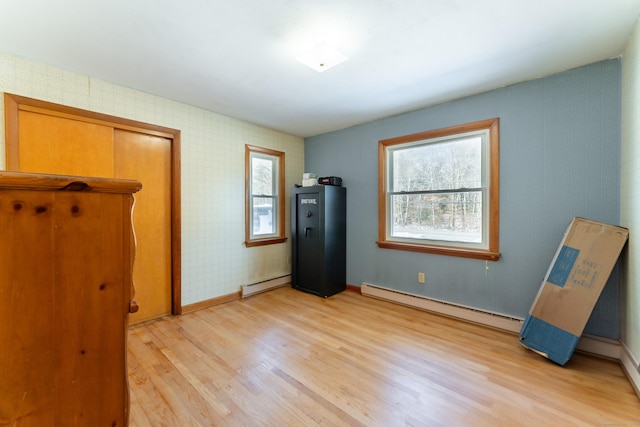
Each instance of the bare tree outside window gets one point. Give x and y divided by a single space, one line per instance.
439 191
264 196
435 191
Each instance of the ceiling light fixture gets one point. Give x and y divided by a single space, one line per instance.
322 57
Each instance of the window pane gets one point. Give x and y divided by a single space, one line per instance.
452 217
262 176
263 209
439 191
438 166
264 190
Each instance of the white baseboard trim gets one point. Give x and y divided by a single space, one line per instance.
631 368
598 346
256 288
470 314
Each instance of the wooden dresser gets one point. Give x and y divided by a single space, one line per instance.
66 257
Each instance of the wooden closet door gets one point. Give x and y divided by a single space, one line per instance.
64 146
57 145
146 158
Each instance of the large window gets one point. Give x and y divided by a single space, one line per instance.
439 191
264 196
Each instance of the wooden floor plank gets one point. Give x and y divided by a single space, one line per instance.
286 358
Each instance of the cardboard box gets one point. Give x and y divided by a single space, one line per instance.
577 274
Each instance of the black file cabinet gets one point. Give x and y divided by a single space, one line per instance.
319 245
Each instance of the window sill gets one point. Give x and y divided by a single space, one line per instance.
264 242
483 254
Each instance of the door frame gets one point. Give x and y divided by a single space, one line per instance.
15 103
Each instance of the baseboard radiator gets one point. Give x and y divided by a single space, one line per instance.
266 285
603 347
631 368
470 314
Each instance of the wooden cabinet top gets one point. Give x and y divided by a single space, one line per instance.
45 182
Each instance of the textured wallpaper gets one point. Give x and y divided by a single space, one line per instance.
559 158
215 261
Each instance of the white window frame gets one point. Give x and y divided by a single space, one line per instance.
488 247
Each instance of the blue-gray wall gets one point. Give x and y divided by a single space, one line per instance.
559 158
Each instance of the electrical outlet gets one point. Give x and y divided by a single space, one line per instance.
421 278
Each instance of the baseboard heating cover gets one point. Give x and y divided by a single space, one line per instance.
598 346
256 288
631 368
470 314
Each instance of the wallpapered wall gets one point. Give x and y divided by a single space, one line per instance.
215 261
560 158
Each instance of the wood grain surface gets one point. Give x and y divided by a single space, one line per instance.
286 358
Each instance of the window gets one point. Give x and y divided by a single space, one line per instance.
264 196
439 191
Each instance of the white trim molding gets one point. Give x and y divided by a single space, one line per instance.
631 368
267 285
463 312
602 347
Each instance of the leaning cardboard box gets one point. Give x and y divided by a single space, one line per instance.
577 274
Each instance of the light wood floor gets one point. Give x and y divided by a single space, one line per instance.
286 358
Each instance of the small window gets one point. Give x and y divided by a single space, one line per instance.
439 191
264 196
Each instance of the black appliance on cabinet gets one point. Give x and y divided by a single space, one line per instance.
319 246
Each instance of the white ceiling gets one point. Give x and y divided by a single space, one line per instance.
237 57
